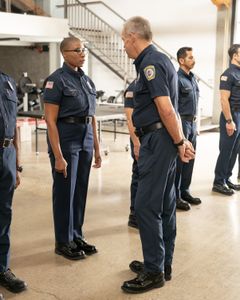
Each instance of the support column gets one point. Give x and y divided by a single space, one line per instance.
54 57
223 37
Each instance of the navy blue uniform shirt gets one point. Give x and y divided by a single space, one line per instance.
8 106
188 93
72 90
156 77
230 81
128 95
75 94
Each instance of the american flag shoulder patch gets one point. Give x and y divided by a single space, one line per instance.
224 78
129 94
49 85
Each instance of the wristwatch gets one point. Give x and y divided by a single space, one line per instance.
229 121
19 169
180 143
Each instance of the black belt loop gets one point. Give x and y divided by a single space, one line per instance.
144 130
5 143
189 118
77 120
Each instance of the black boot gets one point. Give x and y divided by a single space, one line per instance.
11 282
144 282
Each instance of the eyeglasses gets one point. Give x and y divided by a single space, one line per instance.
78 50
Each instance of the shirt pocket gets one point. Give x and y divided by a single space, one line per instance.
70 92
185 90
11 95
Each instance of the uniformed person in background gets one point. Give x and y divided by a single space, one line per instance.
135 146
9 177
188 96
161 137
70 102
229 125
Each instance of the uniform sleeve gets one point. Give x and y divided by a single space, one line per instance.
52 90
128 99
226 81
155 78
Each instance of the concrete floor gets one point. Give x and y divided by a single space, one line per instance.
206 261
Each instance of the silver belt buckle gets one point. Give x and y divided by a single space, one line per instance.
88 120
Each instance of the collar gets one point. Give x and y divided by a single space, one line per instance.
182 72
140 57
71 71
233 66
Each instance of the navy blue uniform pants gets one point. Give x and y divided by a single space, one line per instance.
184 170
7 185
229 148
69 195
155 205
134 180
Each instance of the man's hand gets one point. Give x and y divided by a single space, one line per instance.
98 160
18 180
186 151
61 166
230 128
136 150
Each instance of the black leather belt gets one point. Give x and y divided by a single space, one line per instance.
235 109
189 118
77 120
144 130
6 143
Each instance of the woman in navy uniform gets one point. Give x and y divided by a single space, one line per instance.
229 143
158 127
70 101
9 177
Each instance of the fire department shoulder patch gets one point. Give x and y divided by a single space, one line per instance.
150 72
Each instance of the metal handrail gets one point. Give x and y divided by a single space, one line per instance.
103 41
85 4
172 57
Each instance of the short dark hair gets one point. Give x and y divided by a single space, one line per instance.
66 41
233 50
182 52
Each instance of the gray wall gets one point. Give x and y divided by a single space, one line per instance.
16 60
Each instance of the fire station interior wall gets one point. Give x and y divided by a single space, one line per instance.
175 24
16 60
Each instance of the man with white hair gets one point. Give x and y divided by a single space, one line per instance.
159 130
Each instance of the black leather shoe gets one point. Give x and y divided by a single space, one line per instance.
144 282
69 251
233 186
183 205
11 282
132 221
1 297
222 189
84 246
137 267
190 199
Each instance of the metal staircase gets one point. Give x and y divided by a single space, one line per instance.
103 41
